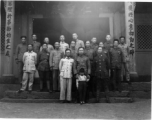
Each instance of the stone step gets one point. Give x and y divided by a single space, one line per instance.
54 95
93 100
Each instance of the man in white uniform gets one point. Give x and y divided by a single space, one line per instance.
65 66
29 60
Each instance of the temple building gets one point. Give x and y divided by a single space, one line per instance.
87 19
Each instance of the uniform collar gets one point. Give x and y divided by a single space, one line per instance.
67 57
30 52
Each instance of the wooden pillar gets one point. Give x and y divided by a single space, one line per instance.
9 38
130 34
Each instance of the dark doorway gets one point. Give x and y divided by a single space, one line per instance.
85 27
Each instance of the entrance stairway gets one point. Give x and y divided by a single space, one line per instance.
128 94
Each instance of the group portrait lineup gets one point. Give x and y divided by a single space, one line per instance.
76 69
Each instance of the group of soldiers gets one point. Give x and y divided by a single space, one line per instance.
78 68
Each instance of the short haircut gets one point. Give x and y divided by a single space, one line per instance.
75 33
72 41
81 70
99 47
34 34
30 45
87 41
56 42
67 50
107 34
115 40
80 48
122 37
23 37
46 37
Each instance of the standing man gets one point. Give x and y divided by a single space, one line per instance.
108 44
66 66
63 44
78 43
55 57
125 67
73 50
20 50
94 44
116 61
82 61
43 67
30 61
49 46
101 69
89 52
36 44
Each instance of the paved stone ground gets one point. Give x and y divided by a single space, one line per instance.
141 110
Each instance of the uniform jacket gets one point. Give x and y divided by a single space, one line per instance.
29 60
43 61
66 66
36 46
49 48
63 46
73 53
101 66
125 50
20 50
108 45
82 62
89 53
79 43
116 58
55 57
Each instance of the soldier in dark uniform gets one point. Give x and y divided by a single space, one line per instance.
89 52
82 61
101 69
116 60
108 44
43 67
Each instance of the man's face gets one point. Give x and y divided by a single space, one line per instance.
122 40
72 44
94 40
30 47
81 51
62 38
74 36
68 53
108 37
44 46
23 40
34 37
101 44
88 44
115 43
57 45
100 50
46 40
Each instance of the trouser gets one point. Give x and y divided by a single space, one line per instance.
56 81
102 82
20 70
74 88
82 88
65 86
26 76
116 78
44 76
125 70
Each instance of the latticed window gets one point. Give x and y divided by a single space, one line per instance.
2 39
144 37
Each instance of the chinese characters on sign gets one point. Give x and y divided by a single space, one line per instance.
9 25
130 33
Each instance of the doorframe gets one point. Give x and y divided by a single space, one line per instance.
110 16
30 24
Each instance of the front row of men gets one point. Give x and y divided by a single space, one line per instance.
76 68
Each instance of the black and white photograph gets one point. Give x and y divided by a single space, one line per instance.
75 59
